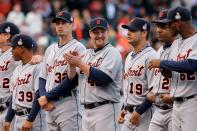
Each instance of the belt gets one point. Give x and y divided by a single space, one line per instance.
163 106
96 104
65 95
183 99
22 112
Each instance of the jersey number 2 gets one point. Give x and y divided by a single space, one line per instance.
165 83
6 83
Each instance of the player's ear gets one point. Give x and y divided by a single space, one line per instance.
90 33
8 36
144 33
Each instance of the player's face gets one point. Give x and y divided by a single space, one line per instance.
4 38
99 37
17 52
134 37
63 28
163 32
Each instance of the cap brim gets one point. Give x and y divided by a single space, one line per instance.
130 27
54 20
163 21
98 27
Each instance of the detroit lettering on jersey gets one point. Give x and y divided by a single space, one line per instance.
23 80
184 56
96 63
56 64
133 72
4 65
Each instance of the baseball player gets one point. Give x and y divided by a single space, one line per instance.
182 61
99 80
67 113
161 120
7 66
23 83
137 78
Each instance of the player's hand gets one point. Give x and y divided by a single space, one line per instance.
49 106
166 98
27 125
134 119
36 59
121 116
151 97
155 63
6 126
42 101
73 60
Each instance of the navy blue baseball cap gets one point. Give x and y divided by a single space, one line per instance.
23 40
63 15
10 28
162 17
138 24
178 13
99 22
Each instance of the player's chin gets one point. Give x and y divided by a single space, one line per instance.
100 43
16 58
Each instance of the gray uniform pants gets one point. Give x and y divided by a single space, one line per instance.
184 115
143 124
66 116
161 120
102 118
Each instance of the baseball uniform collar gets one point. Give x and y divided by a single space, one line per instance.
134 54
96 50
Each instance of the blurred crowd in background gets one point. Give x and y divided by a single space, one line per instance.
33 17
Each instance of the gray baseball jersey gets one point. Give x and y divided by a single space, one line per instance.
54 69
183 84
7 66
109 61
161 84
162 119
103 117
137 78
24 84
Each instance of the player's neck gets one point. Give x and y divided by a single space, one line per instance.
65 39
188 32
138 47
27 57
5 48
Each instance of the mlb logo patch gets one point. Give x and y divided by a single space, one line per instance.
60 13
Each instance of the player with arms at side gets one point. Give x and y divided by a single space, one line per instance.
67 113
137 78
24 84
183 64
